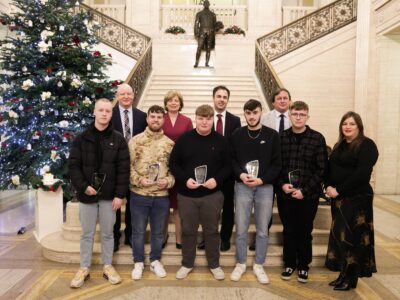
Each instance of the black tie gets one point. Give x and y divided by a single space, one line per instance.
282 124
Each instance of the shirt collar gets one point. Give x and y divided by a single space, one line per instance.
278 114
122 109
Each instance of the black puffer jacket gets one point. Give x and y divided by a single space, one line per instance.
115 163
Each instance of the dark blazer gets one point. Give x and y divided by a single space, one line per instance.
232 123
139 120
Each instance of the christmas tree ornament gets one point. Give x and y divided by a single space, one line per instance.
20 107
29 147
61 27
59 84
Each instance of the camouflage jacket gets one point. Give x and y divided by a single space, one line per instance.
147 150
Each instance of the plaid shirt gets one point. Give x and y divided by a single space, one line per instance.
307 154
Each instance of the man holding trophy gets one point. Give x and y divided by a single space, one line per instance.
304 162
150 180
200 162
99 171
256 164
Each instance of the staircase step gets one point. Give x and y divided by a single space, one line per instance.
55 248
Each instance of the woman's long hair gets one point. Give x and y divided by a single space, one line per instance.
355 144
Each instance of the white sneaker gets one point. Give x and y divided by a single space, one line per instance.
80 277
137 271
111 274
183 272
260 273
238 272
218 273
157 268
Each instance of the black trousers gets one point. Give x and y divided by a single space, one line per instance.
297 217
228 211
128 223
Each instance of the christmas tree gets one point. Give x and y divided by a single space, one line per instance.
51 77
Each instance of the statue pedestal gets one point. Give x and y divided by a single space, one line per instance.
48 213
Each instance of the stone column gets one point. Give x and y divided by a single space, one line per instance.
365 70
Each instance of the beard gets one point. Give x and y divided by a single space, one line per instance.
255 125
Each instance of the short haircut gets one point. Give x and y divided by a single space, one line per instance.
171 94
299 105
252 104
205 110
156 109
277 93
102 100
221 87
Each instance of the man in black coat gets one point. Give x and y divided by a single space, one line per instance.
129 121
225 124
99 171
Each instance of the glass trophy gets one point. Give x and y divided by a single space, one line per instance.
294 178
98 180
200 173
252 168
154 170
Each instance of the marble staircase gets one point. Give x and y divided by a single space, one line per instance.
197 90
64 246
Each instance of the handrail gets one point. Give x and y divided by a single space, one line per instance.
308 28
117 35
296 34
137 78
128 41
267 76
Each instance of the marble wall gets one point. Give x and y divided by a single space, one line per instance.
388 133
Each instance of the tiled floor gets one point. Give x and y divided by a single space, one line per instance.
25 274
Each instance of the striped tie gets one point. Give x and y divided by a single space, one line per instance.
127 128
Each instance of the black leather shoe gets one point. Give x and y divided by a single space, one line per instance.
338 281
252 246
345 286
128 242
178 246
165 241
201 245
225 245
116 245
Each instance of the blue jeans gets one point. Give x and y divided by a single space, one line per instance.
144 208
261 198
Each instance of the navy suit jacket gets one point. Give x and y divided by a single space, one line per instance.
139 121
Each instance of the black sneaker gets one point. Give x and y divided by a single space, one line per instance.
287 274
302 276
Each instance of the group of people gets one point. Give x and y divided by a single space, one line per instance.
222 172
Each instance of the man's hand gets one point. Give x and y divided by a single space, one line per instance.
116 203
146 182
288 188
90 191
298 194
191 184
162 184
210 184
331 192
250 181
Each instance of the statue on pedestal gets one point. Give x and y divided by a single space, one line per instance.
204 31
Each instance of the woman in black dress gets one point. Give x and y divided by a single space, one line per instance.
351 240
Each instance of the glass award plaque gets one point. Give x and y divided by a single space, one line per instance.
252 168
154 170
200 173
294 178
98 180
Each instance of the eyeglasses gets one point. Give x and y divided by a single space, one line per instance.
299 115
